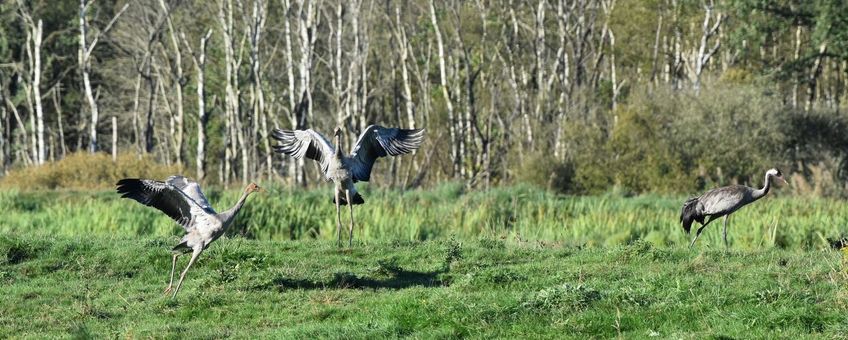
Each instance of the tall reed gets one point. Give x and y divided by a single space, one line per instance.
517 213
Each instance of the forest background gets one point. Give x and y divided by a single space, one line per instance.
577 96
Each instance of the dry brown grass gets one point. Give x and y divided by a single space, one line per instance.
83 171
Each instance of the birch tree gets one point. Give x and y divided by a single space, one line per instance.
199 59
34 47
4 131
86 47
231 99
443 79
178 83
698 59
256 27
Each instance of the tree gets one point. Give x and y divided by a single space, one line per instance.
86 47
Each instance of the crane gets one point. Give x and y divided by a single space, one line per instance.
723 201
345 170
182 200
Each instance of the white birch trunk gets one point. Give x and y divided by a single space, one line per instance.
257 26
403 43
179 78
225 18
3 140
136 120
57 103
84 59
796 56
114 139
202 116
698 59
443 78
293 169
36 90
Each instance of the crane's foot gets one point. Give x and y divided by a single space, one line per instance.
167 290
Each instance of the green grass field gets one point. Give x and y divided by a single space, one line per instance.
112 287
441 263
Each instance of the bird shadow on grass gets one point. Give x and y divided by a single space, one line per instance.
398 278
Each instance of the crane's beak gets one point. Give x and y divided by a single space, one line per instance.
786 183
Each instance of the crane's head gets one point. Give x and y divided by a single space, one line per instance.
774 172
252 187
337 132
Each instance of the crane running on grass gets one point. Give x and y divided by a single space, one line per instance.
375 142
182 200
722 202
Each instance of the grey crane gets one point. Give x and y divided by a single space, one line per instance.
375 142
722 201
182 200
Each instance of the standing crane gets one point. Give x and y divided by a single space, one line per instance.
182 200
375 142
723 202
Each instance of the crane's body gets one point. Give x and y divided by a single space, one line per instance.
721 202
182 200
345 170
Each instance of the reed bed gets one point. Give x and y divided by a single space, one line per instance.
517 213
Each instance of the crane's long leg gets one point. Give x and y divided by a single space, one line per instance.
338 218
173 268
194 256
698 234
725 230
350 205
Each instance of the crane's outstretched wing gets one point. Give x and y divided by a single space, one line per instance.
192 190
163 196
377 141
304 143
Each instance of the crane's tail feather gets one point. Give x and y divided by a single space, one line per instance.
689 214
357 199
181 248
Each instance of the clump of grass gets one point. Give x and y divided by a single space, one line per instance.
85 171
14 251
564 297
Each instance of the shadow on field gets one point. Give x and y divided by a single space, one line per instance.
400 279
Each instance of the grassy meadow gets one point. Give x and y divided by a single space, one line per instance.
512 262
112 287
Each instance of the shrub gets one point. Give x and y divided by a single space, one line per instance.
81 170
642 158
542 171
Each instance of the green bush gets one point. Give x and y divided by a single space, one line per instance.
644 161
670 141
543 171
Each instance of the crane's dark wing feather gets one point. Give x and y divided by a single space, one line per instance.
377 141
304 143
163 196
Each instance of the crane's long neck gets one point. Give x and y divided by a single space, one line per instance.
230 214
759 193
338 153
